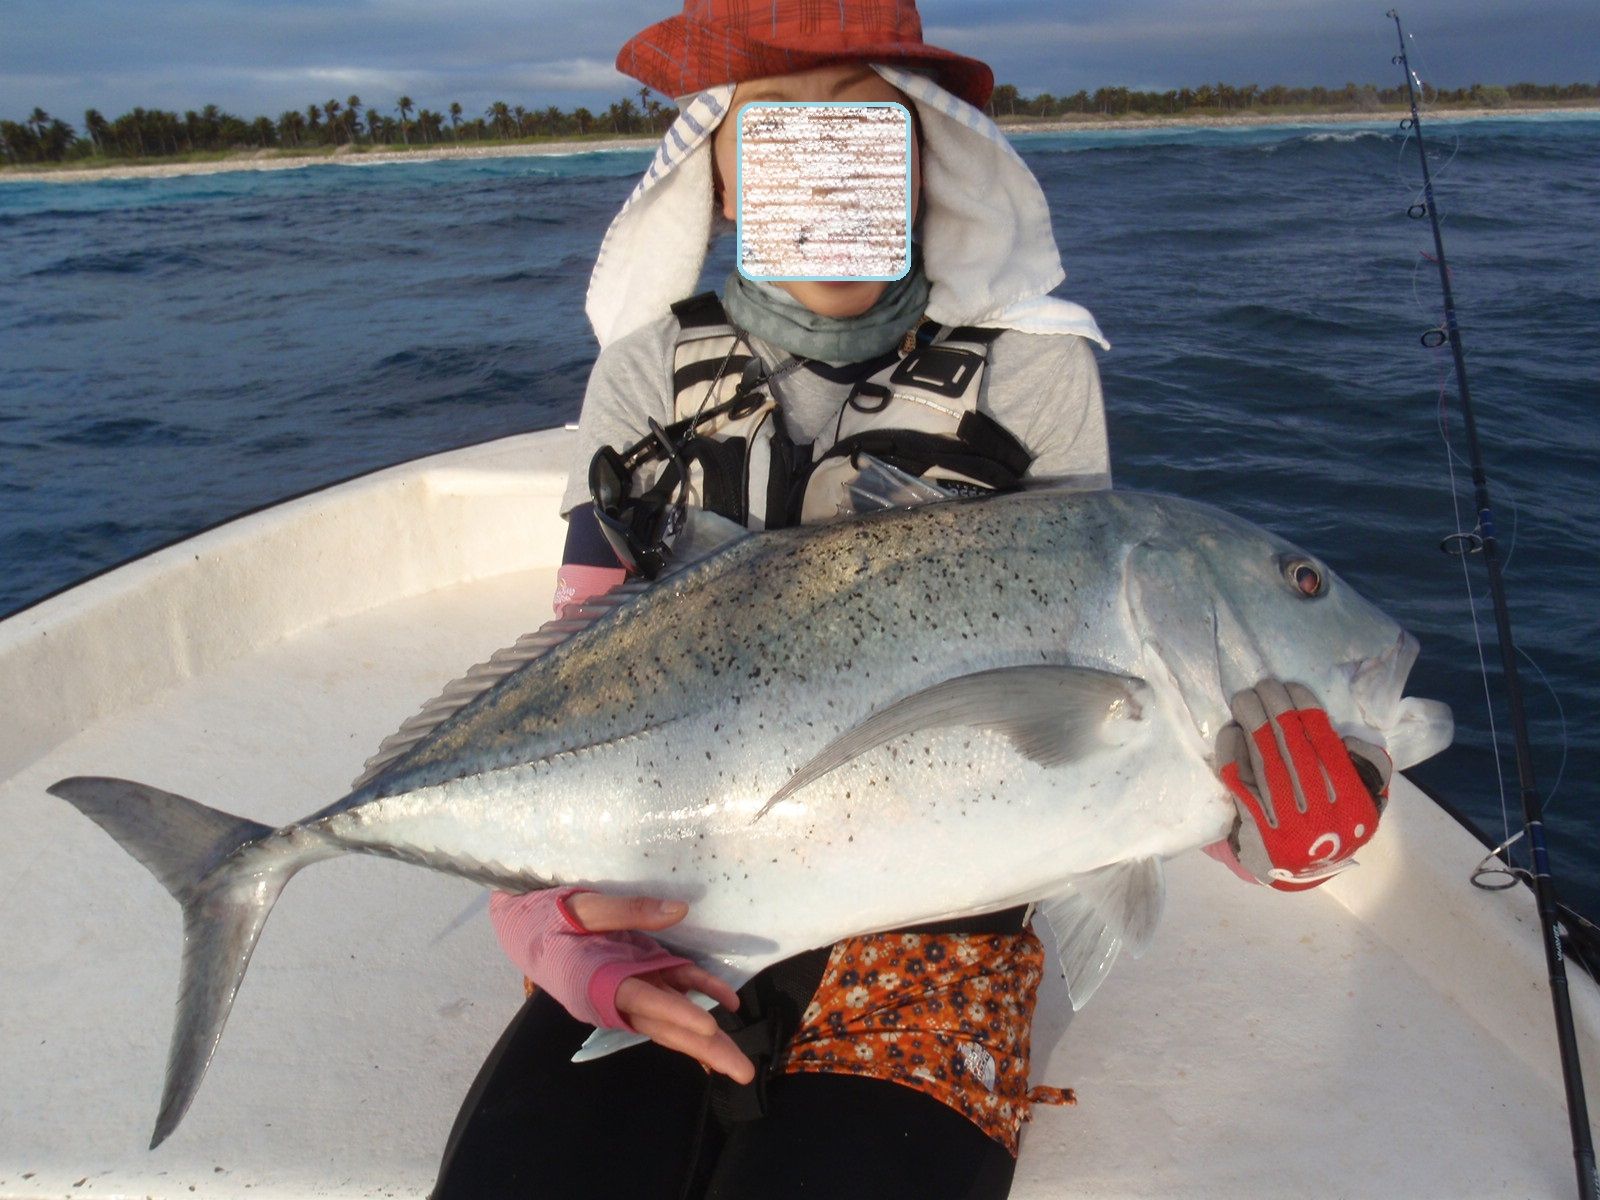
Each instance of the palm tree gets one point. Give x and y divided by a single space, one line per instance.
138 116
352 108
584 119
404 106
333 108
98 129
520 115
313 118
211 125
501 113
621 115
455 118
290 125
38 121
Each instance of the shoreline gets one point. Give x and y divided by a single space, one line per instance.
259 160
1246 119
256 160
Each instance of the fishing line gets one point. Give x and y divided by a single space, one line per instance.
1463 543
1485 544
1426 107
1460 544
1514 872
1561 714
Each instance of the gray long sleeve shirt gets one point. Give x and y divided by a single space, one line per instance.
1043 388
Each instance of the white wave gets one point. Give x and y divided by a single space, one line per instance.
1352 135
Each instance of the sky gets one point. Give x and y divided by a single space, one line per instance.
255 57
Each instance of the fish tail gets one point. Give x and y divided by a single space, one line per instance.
200 855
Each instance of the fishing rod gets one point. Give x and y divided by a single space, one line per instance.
1482 540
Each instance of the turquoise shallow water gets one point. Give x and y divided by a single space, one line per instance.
180 350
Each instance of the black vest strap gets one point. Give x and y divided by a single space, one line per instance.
987 436
722 469
915 453
708 369
973 333
700 310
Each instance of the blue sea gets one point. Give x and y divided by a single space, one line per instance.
175 351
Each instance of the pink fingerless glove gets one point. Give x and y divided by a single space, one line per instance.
576 584
582 970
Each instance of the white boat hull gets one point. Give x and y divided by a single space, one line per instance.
1388 1035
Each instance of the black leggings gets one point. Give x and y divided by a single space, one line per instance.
635 1126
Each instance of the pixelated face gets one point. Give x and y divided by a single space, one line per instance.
824 190
852 82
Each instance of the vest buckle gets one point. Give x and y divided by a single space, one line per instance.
947 370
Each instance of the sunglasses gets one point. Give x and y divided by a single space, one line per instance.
641 529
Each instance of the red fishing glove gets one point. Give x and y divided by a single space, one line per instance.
1307 798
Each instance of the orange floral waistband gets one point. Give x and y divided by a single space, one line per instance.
947 1014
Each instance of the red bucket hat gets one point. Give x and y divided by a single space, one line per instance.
731 41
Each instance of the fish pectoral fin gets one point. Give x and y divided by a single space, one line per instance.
1053 715
608 1041
1099 915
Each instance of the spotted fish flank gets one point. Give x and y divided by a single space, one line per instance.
828 731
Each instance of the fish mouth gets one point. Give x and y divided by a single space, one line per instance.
1411 728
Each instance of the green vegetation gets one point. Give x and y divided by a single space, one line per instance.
348 126
144 135
1224 99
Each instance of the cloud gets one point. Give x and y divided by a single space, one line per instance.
572 75
263 56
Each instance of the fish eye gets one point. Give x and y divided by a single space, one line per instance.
1304 576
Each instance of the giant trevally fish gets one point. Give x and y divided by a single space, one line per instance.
826 731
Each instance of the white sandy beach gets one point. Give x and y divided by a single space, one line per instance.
262 160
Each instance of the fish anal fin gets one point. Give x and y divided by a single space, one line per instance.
1100 914
1053 715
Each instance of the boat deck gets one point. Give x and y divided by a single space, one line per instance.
1387 1035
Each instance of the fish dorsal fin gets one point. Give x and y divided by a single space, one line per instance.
1100 914
703 535
1053 715
459 693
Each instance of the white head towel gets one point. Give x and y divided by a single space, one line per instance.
987 244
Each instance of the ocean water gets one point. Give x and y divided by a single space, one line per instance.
176 351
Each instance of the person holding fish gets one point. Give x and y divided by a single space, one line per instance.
895 1063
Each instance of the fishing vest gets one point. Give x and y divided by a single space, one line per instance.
918 413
